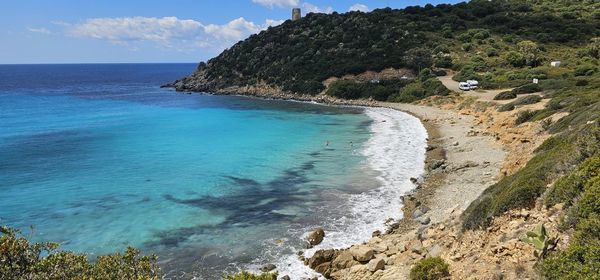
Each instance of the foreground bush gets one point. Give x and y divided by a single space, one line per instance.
430 269
20 259
244 275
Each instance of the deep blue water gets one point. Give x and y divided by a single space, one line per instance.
98 157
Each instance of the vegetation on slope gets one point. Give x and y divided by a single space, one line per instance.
433 268
298 56
580 190
20 259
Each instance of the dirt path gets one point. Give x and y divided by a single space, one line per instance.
480 94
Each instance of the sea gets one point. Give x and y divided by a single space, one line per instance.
98 157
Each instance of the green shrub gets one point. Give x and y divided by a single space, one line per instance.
443 61
577 262
410 93
528 88
440 73
244 275
527 100
346 89
466 73
419 90
350 89
582 83
515 59
491 52
587 231
589 203
505 95
430 269
567 188
467 47
525 116
20 259
506 107
585 70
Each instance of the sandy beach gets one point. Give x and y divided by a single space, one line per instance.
471 146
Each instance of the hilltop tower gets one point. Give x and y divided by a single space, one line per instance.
296 14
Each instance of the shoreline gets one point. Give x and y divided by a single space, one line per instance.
460 163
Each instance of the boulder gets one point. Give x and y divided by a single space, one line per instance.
465 165
424 220
285 277
344 260
435 164
316 237
376 264
268 267
320 257
380 248
434 251
422 233
416 247
362 253
417 213
324 268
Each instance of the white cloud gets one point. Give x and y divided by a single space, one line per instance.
310 8
39 30
167 32
359 7
277 3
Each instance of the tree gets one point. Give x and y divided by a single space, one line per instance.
20 259
419 58
515 59
530 52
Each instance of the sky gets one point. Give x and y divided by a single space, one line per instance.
147 31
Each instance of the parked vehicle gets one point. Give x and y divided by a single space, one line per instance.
473 84
464 86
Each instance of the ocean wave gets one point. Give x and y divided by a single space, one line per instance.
396 151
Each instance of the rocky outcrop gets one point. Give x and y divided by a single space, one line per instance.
362 253
322 261
316 237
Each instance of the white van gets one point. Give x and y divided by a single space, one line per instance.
473 84
464 86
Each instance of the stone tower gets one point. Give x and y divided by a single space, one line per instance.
296 14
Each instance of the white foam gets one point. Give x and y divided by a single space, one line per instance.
396 150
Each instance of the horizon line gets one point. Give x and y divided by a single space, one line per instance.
84 63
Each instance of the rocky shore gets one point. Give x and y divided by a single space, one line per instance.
471 146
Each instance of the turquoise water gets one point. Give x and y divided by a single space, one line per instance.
98 157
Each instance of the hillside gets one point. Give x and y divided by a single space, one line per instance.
298 56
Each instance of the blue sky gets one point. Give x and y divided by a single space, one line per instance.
104 31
